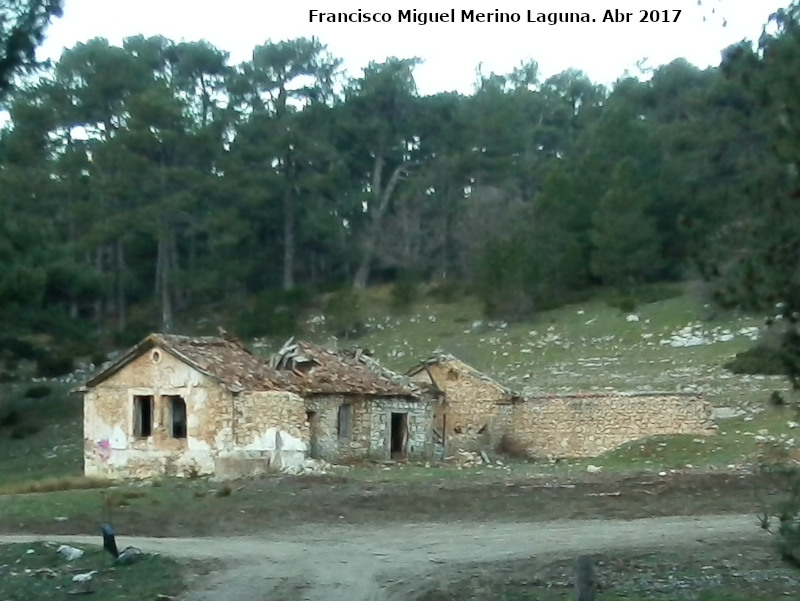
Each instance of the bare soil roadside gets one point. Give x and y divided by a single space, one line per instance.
399 562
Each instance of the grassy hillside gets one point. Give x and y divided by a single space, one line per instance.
587 346
581 347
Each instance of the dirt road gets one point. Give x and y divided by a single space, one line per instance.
394 563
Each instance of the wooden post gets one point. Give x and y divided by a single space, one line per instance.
444 434
585 581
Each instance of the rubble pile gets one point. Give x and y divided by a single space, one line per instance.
308 467
468 459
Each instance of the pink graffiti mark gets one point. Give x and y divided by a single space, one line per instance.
104 449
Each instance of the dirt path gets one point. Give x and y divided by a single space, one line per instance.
393 563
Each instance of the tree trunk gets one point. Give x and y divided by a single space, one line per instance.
163 278
122 313
178 294
98 301
382 198
288 239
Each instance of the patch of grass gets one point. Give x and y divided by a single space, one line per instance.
707 572
41 438
54 484
37 571
736 443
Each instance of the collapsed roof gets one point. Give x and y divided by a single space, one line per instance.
462 368
314 369
299 367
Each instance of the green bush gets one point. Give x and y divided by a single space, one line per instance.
628 301
275 313
134 332
54 364
447 291
98 358
625 303
757 360
38 391
343 313
10 418
776 399
24 430
786 509
404 293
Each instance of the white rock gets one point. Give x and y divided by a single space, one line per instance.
594 469
631 318
69 553
85 577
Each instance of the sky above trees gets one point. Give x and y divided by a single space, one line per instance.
451 52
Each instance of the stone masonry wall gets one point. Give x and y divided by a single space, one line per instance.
470 406
370 427
420 434
589 425
325 440
269 432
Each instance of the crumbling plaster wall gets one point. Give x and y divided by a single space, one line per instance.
112 450
470 405
590 425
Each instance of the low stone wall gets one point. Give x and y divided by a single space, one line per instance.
574 426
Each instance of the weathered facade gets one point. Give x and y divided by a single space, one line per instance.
469 403
357 409
175 405
588 425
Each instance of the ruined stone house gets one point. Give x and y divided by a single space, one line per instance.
175 405
476 412
355 408
469 401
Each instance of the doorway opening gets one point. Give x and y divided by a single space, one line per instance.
313 434
399 435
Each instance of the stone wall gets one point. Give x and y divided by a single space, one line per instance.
325 441
470 407
270 428
590 425
419 413
370 433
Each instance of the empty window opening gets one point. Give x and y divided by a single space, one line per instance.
143 416
345 423
399 435
177 416
311 417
